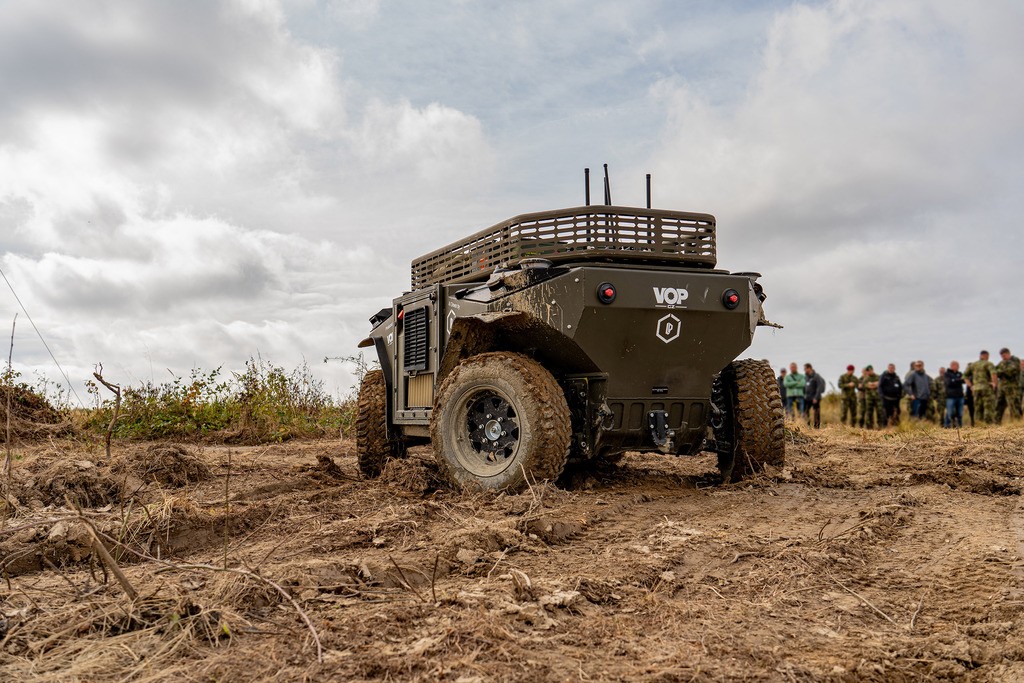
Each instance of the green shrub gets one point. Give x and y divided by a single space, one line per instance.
264 403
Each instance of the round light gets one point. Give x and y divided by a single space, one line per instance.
606 292
731 299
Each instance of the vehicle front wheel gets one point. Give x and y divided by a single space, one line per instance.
749 430
500 421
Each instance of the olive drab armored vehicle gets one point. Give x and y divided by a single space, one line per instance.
569 335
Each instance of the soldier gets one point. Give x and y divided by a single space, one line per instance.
938 407
1008 372
848 384
870 402
981 378
908 400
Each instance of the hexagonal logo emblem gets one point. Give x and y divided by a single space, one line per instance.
668 328
450 319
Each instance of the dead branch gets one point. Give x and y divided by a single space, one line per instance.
227 508
170 566
105 556
116 389
405 581
913 619
10 391
862 599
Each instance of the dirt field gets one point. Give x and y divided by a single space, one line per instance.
870 556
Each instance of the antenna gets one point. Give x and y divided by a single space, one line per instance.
607 187
586 185
648 190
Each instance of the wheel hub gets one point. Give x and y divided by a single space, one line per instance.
492 430
493 427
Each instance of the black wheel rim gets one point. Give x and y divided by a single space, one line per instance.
492 427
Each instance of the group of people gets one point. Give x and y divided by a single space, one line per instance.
986 389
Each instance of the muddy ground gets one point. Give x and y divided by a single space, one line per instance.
870 556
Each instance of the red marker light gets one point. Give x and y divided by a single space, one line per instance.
606 292
730 299
401 314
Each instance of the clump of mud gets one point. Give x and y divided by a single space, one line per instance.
412 475
82 482
167 464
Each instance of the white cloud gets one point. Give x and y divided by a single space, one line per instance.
357 14
442 144
865 168
188 184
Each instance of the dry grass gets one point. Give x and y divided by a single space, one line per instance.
872 555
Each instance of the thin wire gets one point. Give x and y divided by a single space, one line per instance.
25 311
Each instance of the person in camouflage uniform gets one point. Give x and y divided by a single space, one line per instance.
981 378
937 407
1008 372
870 401
848 385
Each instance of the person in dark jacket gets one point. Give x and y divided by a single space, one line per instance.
781 379
969 403
954 382
890 388
919 388
814 390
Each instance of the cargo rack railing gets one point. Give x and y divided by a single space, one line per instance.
583 233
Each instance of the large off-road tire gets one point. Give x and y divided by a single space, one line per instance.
373 447
749 431
500 421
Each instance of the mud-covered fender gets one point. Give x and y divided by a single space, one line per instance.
470 335
517 331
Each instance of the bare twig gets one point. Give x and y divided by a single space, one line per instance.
231 570
116 389
10 391
433 577
913 619
405 581
497 562
60 572
862 599
227 508
285 594
101 550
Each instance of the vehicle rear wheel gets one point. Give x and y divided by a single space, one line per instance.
500 421
749 430
373 447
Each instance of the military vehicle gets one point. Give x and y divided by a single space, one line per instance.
568 335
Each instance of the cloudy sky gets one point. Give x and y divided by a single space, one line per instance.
186 184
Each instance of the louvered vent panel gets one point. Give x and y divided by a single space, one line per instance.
417 340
